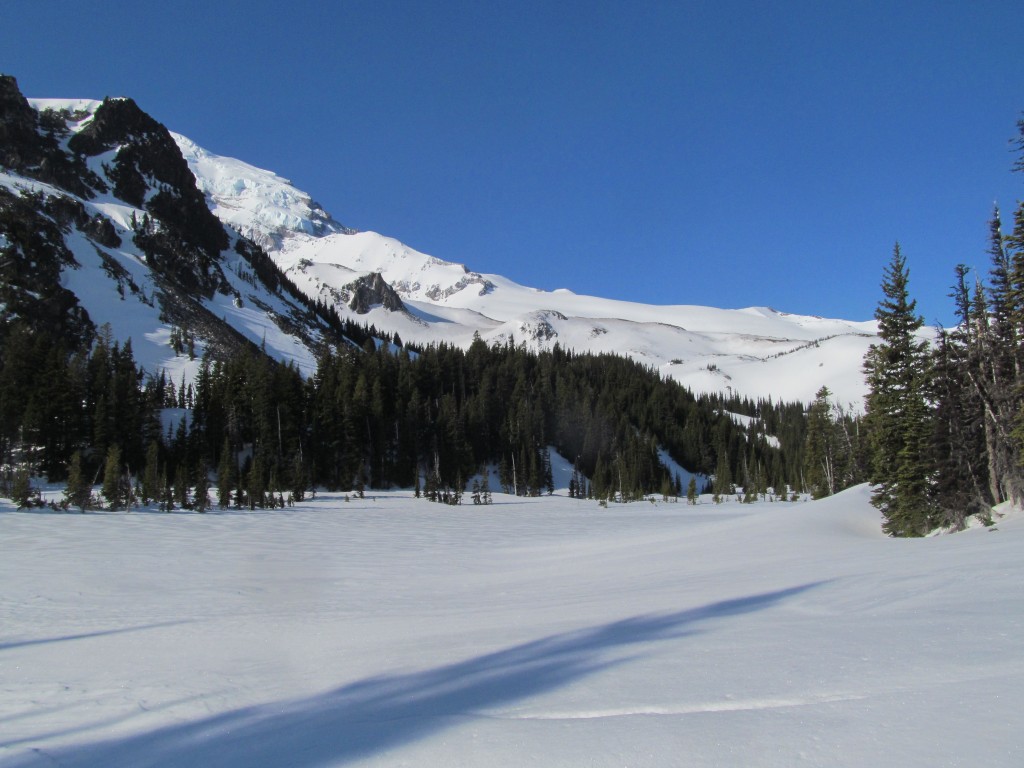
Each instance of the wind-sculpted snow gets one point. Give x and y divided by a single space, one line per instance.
390 631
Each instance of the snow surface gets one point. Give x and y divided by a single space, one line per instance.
550 631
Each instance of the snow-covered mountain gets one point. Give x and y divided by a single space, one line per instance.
757 351
101 224
142 258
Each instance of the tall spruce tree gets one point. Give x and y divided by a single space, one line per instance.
822 455
898 412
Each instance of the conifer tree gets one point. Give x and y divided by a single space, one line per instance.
166 492
825 456
201 498
226 472
112 481
78 491
723 477
898 413
181 486
151 474
691 490
21 489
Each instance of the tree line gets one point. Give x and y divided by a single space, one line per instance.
376 416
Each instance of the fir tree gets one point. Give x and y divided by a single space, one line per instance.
151 474
723 478
898 413
181 486
22 492
78 491
201 499
226 472
824 456
112 479
691 490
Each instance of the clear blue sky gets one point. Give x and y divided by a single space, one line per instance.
721 153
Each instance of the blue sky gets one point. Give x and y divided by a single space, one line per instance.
721 153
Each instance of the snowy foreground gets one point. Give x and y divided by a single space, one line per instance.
546 632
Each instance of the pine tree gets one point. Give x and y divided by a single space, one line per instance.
112 490
22 492
226 472
723 478
961 456
151 474
78 490
201 500
824 457
1014 244
166 492
691 490
898 413
181 486
299 478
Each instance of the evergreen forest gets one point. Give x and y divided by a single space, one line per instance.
941 437
376 416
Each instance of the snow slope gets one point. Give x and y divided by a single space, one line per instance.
549 631
758 352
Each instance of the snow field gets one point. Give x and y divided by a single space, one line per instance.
392 631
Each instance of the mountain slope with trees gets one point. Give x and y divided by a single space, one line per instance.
109 249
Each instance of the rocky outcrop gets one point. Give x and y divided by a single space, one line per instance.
148 160
34 151
373 290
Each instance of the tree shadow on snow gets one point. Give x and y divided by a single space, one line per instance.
9 644
387 711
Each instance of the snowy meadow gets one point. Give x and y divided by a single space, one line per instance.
550 631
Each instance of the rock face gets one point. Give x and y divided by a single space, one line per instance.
372 290
29 145
186 245
102 222
18 139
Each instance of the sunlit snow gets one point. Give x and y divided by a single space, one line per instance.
755 352
391 631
